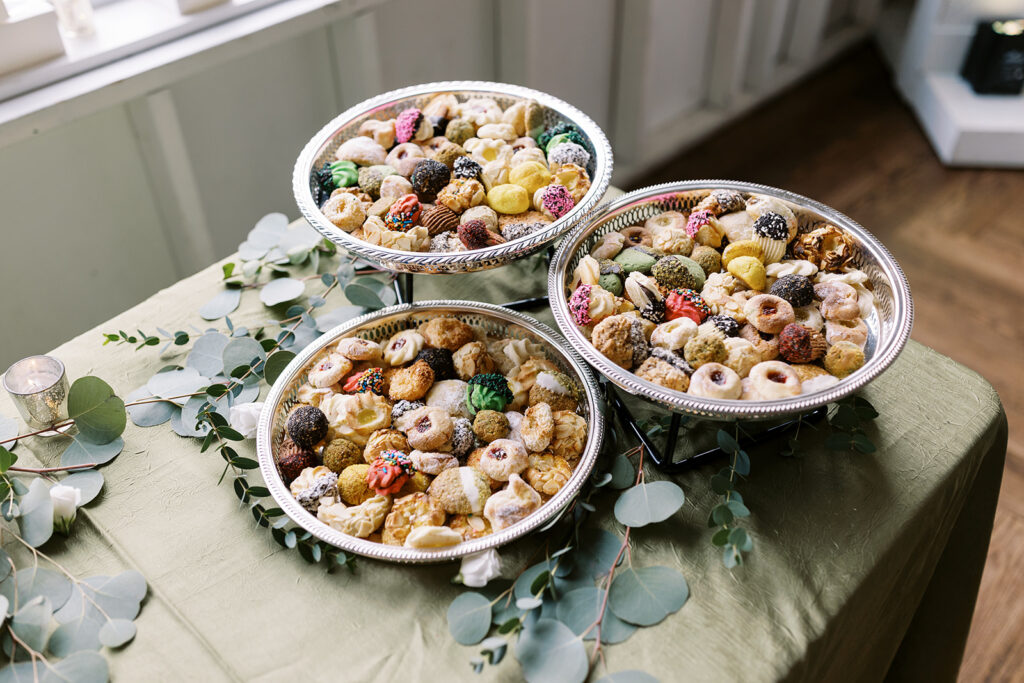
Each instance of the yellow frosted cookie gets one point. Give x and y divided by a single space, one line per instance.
749 270
531 176
741 248
508 198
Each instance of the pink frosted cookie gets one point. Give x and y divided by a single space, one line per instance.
696 221
554 201
579 305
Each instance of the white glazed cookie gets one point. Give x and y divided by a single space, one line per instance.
432 537
359 520
511 505
403 347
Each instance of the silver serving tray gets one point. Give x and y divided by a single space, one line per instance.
322 146
888 327
380 326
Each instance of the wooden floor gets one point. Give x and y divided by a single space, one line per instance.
846 138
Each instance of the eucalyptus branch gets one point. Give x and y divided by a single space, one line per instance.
44 470
58 425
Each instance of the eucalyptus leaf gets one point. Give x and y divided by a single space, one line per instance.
5 565
647 595
281 290
242 351
148 414
578 609
304 334
597 552
98 413
77 634
331 319
81 452
628 676
648 503
89 482
527 578
223 303
36 518
268 230
20 672
276 363
120 595
359 294
550 652
9 428
80 667
469 618
31 623
190 414
623 473
36 582
207 354
4 606
176 383
6 460
117 632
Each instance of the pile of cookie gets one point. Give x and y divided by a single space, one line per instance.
454 175
727 301
438 436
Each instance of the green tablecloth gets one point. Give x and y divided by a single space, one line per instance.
855 554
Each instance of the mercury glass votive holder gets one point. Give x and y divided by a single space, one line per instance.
39 387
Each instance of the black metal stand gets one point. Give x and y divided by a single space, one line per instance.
403 285
663 459
536 301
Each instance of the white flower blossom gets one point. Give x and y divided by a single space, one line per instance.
479 568
244 418
65 505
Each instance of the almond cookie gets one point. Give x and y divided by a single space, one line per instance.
569 437
411 383
409 512
472 359
547 473
359 521
446 333
538 427
512 505
470 526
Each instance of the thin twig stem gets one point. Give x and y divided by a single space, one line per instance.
43 470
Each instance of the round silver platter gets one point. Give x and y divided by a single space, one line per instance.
888 326
322 146
380 326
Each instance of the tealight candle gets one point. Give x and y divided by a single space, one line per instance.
39 387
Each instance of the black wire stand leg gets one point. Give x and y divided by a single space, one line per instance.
403 285
663 460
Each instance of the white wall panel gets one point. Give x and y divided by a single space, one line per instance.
244 123
563 47
416 47
678 49
81 237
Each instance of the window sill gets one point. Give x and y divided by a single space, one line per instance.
142 45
